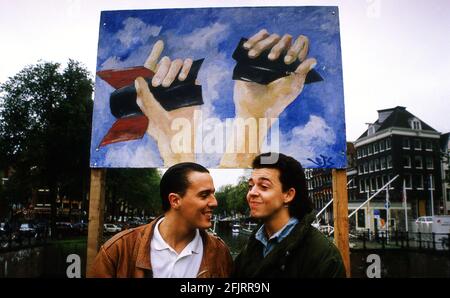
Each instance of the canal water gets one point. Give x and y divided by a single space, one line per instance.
235 241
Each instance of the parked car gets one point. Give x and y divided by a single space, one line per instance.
27 229
111 228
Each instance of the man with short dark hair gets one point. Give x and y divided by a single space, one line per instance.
285 245
175 244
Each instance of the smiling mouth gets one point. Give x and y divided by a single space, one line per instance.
208 214
254 204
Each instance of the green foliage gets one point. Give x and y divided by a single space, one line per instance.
138 187
45 126
231 199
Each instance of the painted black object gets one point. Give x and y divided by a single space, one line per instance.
178 95
264 71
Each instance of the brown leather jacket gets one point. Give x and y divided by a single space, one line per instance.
127 254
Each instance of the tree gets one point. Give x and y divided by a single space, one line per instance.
231 199
137 188
45 126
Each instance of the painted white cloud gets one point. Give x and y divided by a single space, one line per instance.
125 156
308 141
206 37
136 31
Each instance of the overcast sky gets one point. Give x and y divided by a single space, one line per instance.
394 52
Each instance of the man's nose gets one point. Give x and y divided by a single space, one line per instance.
252 191
212 201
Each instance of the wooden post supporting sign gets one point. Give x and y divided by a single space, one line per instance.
96 211
340 215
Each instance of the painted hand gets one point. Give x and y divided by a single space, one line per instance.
269 101
173 131
256 101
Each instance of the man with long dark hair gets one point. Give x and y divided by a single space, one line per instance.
285 245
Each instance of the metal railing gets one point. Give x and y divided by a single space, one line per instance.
367 239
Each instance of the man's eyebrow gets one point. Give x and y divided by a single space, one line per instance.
264 179
259 179
207 191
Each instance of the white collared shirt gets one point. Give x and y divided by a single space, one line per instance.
166 262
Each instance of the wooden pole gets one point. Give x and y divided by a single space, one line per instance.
340 215
96 210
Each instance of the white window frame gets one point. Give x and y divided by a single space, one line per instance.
389 158
416 125
403 143
421 162
426 163
405 176
421 179
409 164
420 141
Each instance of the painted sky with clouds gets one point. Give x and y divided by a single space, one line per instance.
311 127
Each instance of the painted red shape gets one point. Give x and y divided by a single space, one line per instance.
123 77
126 129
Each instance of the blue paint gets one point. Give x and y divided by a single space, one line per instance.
324 100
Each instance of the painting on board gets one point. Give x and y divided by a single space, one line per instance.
218 86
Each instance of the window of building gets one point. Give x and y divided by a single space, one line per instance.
364 151
373 184
358 153
367 185
428 145
366 167
371 166
361 169
418 162
389 177
418 182
383 163
388 144
408 182
379 182
406 161
377 164
429 161
405 143
371 130
361 185
382 145
415 124
376 147
417 144
369 150
384 179
361 219
389 162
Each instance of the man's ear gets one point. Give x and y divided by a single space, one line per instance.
174 200
289 195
